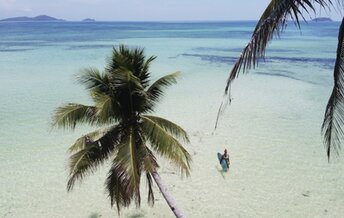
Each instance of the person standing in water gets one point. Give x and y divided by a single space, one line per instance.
225 157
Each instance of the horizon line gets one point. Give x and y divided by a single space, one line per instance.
157 21
152 21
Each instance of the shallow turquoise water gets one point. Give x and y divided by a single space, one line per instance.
272 127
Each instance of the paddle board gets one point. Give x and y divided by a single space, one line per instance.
223 162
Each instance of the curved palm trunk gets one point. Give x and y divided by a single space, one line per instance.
168 197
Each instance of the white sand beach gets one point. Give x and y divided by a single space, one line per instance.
278 166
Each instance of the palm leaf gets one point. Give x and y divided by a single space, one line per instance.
334 114
129 93
81 142
127 157
271 23
166 145
156 90
149 164
123 77
151 198
123 182
170 127
69 115
91 154
133 60
107 110
117 185
93 79
144 74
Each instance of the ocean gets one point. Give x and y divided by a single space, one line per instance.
271 129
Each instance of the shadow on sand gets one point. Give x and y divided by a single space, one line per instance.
221 171
137 215
94 215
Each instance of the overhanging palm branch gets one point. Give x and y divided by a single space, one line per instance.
271 23
332 127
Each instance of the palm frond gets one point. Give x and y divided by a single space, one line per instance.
118 186
149 164
132 59
332 127
130 93
69 115
170 127
151 198
107 110
90 154
81 142
166 145
93 79
123 182
271 23
156 90
144 74
94 136
123 77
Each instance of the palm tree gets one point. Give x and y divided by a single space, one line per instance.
272 22
130 138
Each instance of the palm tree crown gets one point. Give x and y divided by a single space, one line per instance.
122 97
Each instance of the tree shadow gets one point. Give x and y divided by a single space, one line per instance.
94 215
137 215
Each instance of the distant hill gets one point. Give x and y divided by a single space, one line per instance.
322 19
88 20
38 18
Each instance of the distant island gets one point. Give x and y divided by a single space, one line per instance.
38 18
322 19
88 20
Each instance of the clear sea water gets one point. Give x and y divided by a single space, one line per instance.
272 129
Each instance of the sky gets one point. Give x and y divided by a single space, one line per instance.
141 10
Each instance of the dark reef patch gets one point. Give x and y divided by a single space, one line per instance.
326 63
